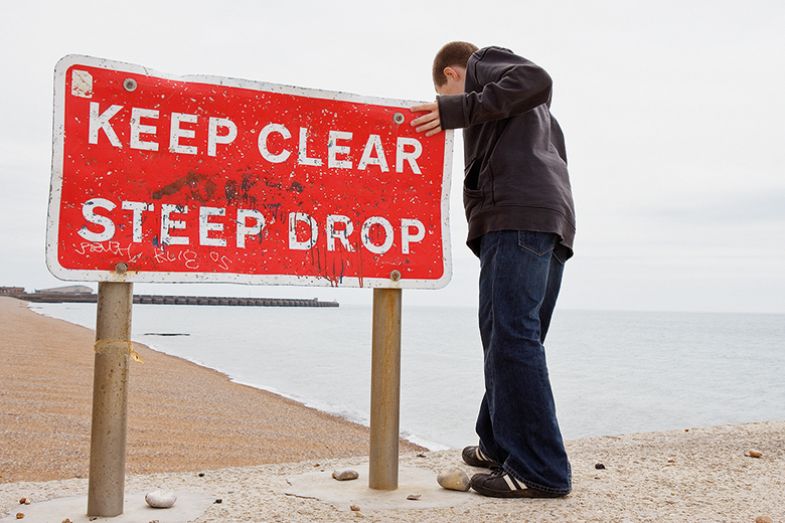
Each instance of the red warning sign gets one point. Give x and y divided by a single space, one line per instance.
160 178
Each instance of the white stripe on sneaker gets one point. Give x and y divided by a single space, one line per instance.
510 482
481 456
517 484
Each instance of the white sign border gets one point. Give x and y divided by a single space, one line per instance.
55 190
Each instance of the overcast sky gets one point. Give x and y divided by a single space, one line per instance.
673 112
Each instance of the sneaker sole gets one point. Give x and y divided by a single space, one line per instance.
479 487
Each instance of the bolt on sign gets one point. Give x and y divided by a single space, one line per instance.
162 178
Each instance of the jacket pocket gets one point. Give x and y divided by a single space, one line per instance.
471 179
473 194
537 242
478 180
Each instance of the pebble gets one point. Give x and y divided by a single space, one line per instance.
752 453
421 455
160 499
24 501
345 474
671 460
20 515
67 520
764 519
413 497
599 466
454 479
355 508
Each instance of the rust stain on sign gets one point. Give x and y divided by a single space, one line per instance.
199 186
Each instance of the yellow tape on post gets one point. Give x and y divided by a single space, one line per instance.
102 346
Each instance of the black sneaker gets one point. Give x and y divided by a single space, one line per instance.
473 456
499 484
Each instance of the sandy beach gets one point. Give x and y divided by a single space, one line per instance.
181 416
185 419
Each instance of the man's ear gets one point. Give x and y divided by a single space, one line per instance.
451 73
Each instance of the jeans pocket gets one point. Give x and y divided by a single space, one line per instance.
537 242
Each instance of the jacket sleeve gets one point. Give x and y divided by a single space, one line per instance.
510 85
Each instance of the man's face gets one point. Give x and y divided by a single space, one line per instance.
456 81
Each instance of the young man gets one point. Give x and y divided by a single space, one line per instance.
519 206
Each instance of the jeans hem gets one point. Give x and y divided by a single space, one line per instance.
533 484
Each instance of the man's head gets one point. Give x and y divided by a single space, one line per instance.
449 67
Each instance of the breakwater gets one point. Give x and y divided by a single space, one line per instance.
156 299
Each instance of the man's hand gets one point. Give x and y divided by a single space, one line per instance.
429 122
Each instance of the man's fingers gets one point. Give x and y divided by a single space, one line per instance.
428 126
425 118
428 122
424 107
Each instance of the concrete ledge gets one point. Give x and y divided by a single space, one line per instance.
411 480
189 506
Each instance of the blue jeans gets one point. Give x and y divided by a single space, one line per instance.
520 277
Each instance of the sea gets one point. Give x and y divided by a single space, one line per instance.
612 372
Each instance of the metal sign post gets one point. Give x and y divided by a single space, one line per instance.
385 389
110 400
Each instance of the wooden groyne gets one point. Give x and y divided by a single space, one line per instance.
156 299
